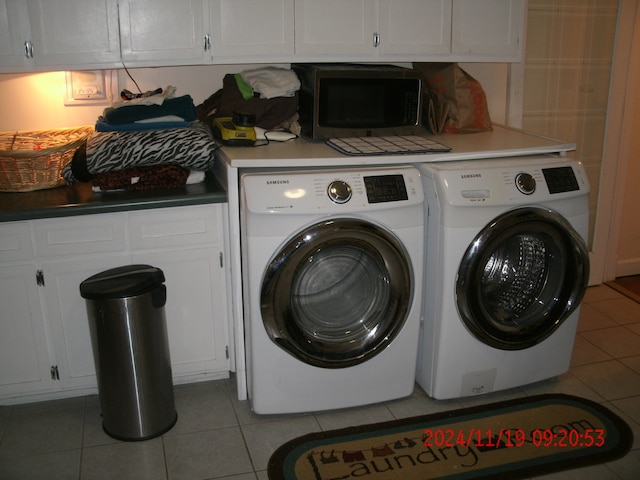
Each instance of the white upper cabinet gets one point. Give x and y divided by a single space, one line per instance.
488 29
197 32
410 30
335 27
14 32
39 34
251 29
164 32
366 29
74 33
414 27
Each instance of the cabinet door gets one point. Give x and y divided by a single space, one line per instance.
77 32
187 244
164 32
415 27
24 360
196 309
337 27
67 312
14 32
251 28
488 29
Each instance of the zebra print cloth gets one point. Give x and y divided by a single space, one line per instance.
191 148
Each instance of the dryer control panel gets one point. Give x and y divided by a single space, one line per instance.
509 181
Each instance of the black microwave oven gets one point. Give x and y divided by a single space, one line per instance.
357 100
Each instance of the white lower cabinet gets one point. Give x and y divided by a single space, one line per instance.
45 345
194 281
67 315
24 357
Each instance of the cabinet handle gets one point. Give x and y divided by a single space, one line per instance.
28 49
207 42
376 39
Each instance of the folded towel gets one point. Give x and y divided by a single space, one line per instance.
271 82
196 177
141 178
192 148
180 106
102 126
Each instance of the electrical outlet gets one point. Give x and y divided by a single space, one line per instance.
86 88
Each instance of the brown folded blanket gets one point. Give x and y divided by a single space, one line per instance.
141 178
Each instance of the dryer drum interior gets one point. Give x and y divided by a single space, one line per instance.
337 293
524 274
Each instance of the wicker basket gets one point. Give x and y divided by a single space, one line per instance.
34 160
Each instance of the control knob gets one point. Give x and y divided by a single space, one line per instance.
339 191
525 183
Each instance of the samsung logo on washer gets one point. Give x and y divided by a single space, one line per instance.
277 182
470 175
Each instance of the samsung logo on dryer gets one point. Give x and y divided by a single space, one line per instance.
277 182
470 175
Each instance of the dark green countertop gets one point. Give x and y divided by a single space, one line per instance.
79 199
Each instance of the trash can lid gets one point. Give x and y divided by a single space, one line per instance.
122 282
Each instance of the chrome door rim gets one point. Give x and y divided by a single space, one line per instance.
284 317
552 294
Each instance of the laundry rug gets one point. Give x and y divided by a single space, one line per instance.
512 439
628 286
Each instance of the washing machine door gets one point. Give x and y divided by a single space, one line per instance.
521 277
337 293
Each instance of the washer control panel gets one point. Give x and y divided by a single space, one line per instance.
330 191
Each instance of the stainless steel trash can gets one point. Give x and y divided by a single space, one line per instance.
125 306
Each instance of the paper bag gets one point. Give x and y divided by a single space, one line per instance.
448 88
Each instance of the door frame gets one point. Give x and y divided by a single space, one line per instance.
623 92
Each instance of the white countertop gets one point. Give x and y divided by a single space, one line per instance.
301 152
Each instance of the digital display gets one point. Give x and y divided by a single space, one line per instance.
385 188
560 179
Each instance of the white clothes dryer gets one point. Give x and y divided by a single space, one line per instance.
332 286
506 269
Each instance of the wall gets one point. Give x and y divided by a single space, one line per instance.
568 60
36 101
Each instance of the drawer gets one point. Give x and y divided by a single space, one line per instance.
176 227
80 235
15 241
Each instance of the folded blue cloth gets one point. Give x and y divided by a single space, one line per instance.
134 127
180 106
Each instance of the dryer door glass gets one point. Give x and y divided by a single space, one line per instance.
521 277
337 293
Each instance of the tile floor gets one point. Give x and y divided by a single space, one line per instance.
218 437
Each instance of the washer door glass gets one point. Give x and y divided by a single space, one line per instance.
524 274
337 293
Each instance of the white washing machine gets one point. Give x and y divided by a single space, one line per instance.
332 282
506 269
